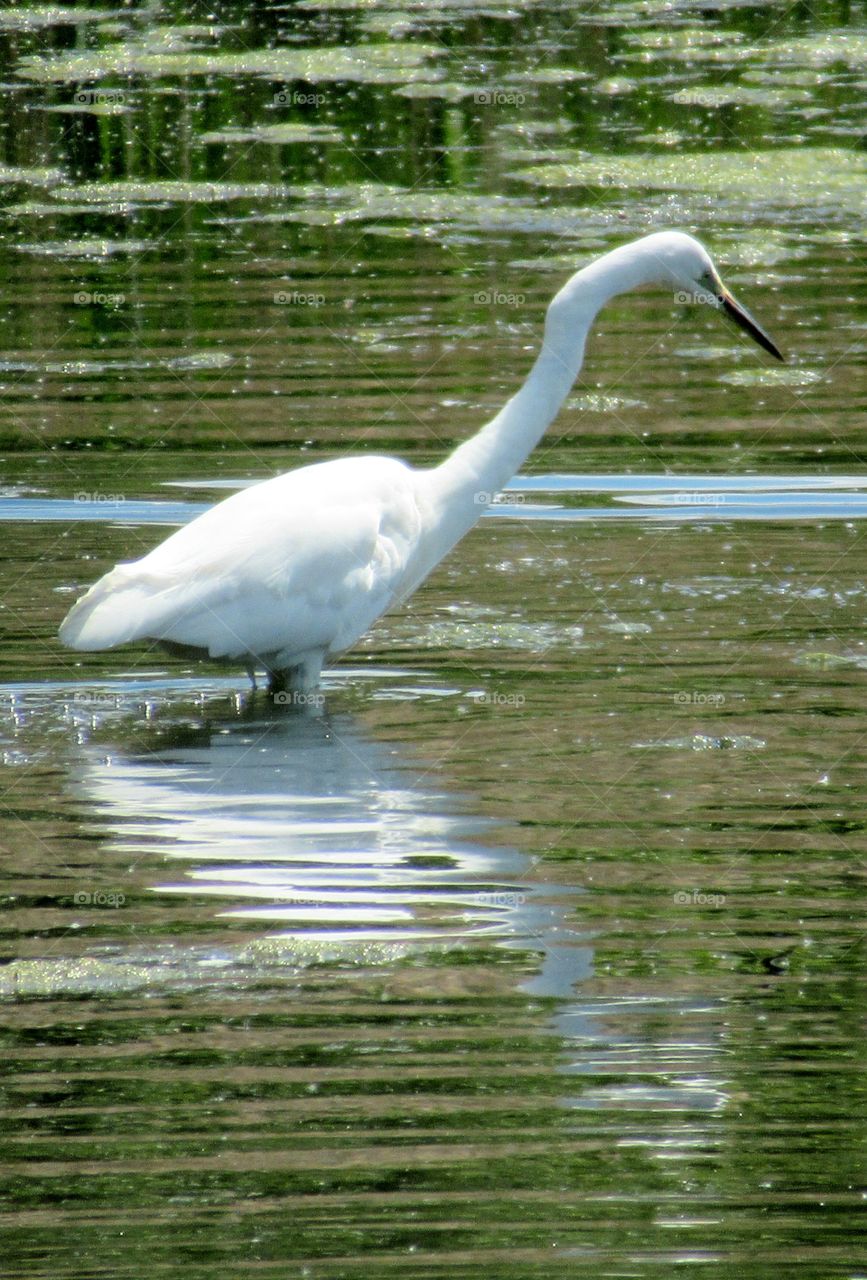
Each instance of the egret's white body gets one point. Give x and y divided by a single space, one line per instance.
289 573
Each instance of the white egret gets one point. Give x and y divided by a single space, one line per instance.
289 573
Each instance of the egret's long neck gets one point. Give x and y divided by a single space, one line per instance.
489 459
492 456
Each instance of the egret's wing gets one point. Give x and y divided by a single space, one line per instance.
305 561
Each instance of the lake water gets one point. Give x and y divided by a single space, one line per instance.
534 946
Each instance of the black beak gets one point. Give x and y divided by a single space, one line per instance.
745 321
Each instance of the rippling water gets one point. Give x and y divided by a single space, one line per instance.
533 945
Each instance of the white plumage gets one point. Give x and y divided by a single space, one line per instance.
288 574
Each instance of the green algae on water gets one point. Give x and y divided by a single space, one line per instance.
681 39
88 247
820 50
793 176
771 378
275 134
760 247
821 660
12 175
169 191
738 95
39 16
447 90
94 108
387 63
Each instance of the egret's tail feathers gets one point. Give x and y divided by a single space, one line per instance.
134 602
121 607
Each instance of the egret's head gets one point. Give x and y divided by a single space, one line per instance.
687 265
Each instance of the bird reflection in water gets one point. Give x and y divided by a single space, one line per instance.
306 823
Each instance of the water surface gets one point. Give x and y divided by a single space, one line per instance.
532 946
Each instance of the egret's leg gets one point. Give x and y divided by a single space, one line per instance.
301 677
310 671
278 681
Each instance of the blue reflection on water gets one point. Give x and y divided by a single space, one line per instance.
642 497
